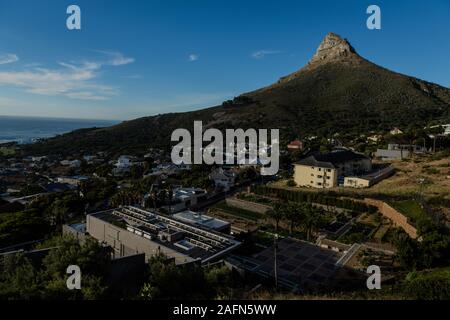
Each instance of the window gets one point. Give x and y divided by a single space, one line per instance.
320 169
328 178
328 170
320 177
312 174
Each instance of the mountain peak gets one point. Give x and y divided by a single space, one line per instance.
332 49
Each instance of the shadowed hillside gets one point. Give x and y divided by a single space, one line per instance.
337 91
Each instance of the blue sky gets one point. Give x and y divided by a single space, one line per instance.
137 58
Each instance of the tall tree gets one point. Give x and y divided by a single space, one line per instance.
293 212
276 214
310 219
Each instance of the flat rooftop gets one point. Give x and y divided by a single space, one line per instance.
188 239
201 220
79 227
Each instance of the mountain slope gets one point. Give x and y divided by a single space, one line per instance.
337 91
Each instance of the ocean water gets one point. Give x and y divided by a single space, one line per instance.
28 129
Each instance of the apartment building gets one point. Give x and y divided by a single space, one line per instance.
329 170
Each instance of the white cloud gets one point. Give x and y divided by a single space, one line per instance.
72 80
8 58
193 57
116 58
262 53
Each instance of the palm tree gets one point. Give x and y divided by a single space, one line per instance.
154 196
310 219
276 214
293 212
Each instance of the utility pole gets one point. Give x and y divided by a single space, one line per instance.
421 186
434 144
275 266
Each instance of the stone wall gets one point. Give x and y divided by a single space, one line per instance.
398 218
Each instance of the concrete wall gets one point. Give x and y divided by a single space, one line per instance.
398 218
388 155
356 182
306 176
247 205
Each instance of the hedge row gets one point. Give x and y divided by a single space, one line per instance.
316 197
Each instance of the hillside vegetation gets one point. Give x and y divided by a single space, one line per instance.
336 92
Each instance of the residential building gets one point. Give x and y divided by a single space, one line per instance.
184 198
74 181
223 179
124 162
89 158
38 159
71 163
374 138
123 165
295 145
446 128
395 131
399 152
410 147
328 170
368 180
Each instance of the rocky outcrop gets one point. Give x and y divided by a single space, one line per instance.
333 49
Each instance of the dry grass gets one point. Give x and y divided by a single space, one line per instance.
406 180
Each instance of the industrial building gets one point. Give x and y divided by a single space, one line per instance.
131 230
204 221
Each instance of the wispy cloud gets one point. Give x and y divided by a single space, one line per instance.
73 80
116 58
193 57
262 53
8 58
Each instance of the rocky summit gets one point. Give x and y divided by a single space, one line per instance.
333 48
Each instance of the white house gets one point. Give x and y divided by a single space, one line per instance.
223 178
124 162
395 131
